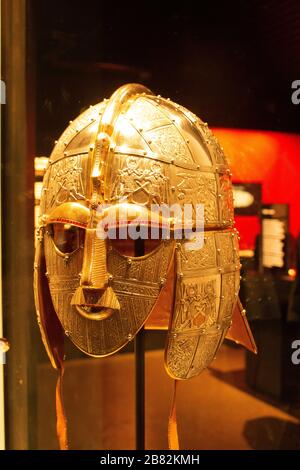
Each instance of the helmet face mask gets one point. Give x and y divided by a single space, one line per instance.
136 281
138 152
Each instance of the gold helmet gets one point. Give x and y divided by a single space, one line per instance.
134 152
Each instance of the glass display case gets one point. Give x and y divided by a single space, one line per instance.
59 60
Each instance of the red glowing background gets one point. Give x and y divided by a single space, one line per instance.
272 159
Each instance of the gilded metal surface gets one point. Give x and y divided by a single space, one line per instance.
206 292
136 282
145 150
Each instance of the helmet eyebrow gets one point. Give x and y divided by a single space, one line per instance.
69 213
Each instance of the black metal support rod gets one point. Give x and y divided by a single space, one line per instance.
140 390
139 352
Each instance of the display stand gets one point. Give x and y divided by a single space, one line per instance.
139 352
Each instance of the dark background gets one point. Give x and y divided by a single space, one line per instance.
232 63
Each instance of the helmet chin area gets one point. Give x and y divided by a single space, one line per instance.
93 312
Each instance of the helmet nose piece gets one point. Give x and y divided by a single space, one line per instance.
94 269
94 291
91 297
87 296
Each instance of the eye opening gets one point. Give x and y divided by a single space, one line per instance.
126 246
67 238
